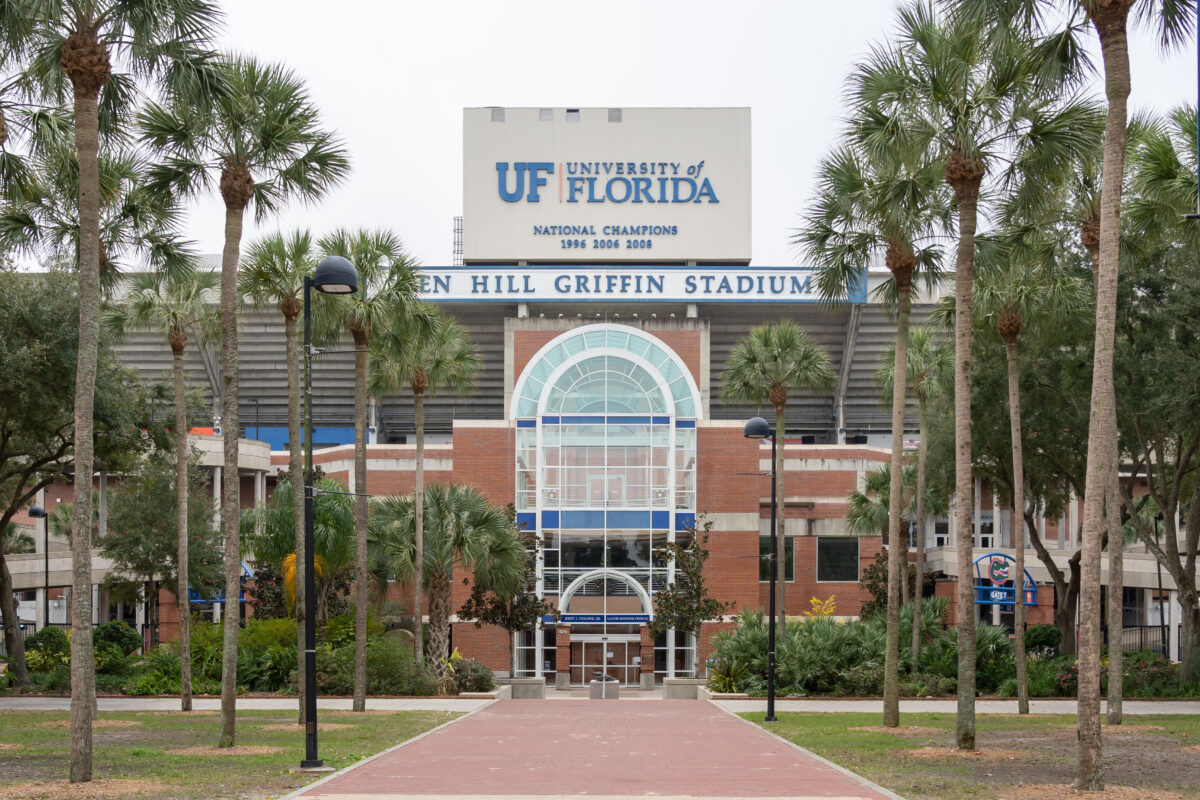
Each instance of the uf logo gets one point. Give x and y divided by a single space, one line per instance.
520 168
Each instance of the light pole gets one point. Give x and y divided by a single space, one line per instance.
37 512
334 275
759 428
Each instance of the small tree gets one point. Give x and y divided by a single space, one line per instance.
685 604
519 611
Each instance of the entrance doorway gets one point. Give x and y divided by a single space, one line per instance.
617 654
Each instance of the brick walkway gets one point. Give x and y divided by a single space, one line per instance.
604 749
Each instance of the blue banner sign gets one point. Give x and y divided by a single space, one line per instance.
609 618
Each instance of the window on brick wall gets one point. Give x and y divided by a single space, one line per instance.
837 559
941 533
789 558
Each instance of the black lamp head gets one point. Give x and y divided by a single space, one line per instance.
37 512
757 428
335 275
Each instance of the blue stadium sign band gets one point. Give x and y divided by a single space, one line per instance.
644 283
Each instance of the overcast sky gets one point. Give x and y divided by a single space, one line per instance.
393 78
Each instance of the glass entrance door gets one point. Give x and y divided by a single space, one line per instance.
619 657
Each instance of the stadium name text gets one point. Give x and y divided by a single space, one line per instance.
629 284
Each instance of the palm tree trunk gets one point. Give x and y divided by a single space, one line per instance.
296 470
897 544
229 472
181 502
419 529
920 570
1116 578
780 527
1018 526
967 194
360 524
13 645
439 623
83 665
1110 22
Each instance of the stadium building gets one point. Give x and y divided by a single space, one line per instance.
603 269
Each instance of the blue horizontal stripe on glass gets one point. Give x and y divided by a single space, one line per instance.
660 520
629 519
549 420
684 520
582 420
527 520
587 520
549 519
661 420
527 423
685 423
628 420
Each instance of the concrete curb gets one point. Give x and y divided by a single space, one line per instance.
309 787
848 773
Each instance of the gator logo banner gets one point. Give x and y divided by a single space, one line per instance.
998 571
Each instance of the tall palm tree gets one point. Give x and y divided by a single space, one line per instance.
979 103
274 273
1009 299
387 288
1172 20
773 360
887 201
929 366
73 43
263 139
460 527
174 306
424 352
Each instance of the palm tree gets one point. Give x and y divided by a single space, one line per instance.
174 306
1173 24
461 527
262 136
274 274
885 201
426 351
74 43
773 360
1009 299
929 365
387 288
977 102
271 529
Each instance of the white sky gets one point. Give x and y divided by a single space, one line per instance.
393 77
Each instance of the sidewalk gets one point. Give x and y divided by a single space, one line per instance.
602 749
915 706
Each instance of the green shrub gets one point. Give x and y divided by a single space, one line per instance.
862 681
111 684
110 659
919 684
276 666
340 630
117 634
1041 673
390 671
1043 637
1066 679
1148 674
472 676
993 657
261 634
52 646
726 678
164 659
52 681
153 682
1007 688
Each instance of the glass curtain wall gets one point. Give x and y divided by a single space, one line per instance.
606 470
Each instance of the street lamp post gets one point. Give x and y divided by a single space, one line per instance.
334 275
759 428
37 512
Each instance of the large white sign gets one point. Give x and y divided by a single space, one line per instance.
631 283
600 184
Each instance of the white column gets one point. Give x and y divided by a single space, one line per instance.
216 497
102 521
39 619
96 604
1072 522
1174 615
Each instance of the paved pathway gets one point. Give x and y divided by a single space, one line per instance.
1063 706
603 749
260 703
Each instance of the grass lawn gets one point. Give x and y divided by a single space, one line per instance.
171 755
1153 757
